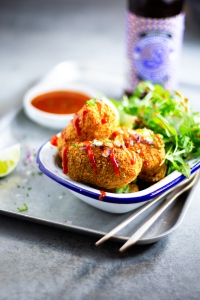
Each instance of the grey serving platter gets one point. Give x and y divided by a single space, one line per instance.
52 204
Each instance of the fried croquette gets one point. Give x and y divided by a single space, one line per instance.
151 150
149 146
95 120
154 177
101 164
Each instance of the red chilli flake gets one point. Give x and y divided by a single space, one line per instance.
103 194
54 140
114 162
91 156
64 159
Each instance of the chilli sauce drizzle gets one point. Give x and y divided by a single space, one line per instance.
54 140
91 156
114 162
76 125
63 135
64 159
133 159
104 120
131 155
85 111
103 194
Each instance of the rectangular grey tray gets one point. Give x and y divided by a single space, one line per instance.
52 204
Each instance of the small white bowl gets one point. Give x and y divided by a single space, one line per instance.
50 120
57 79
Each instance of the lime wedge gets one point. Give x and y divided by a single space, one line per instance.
9 159
114 108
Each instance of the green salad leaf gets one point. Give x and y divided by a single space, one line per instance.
169 114
123 190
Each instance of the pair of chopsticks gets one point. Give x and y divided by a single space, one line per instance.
188 183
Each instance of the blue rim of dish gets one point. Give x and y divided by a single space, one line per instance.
110 198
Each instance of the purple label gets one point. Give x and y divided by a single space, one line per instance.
153 50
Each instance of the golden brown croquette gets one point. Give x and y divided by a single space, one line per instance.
95 120
104 166
149 146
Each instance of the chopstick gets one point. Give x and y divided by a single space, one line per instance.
136 214
136 236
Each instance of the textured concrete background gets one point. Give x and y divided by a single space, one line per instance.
38 262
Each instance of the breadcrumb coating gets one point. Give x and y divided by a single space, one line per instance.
149 146
109 168
155 176
95 120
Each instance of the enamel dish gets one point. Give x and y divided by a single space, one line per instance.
48 163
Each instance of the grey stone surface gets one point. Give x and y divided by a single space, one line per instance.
38 262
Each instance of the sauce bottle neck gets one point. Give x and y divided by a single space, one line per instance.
156 8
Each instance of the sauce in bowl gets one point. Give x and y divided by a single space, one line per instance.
60 102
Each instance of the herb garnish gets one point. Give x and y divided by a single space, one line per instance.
25 208
169 114
92 102
123 190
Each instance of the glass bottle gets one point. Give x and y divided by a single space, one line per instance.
154 34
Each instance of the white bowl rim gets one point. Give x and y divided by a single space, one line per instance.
147 194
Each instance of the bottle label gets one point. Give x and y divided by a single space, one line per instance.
153 49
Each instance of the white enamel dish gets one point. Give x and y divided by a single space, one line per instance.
114 203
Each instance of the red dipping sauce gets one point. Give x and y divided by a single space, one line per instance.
60 102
